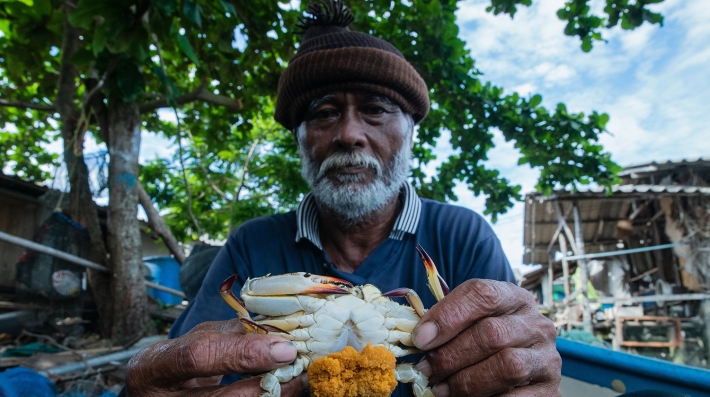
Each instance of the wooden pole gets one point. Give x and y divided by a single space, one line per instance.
583 273
563 223
550 284
565 271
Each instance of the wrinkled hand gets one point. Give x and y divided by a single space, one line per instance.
488 338
193 364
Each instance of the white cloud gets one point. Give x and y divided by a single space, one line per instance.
652 81
526 89
635 41
154 146
559 74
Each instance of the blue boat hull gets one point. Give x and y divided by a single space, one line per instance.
632 373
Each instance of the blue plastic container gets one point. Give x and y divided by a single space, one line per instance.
23 382
164 270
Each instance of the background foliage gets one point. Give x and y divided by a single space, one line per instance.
217 63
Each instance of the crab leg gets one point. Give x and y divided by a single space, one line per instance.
292 321
225 290
411 296
253 326
437 285
406 373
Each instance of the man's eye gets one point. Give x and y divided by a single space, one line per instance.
325 114
374 110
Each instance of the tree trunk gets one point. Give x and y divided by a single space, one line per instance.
131 317
157 223
82 208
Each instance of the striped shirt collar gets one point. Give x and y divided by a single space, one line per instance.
407 221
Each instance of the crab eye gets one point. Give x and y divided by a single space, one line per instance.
307 275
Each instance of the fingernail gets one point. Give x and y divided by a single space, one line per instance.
424 367
441 390
283 352
425 334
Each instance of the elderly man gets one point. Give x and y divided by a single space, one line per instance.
352 101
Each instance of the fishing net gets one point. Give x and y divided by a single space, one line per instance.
54 284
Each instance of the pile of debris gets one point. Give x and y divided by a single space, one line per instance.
51 366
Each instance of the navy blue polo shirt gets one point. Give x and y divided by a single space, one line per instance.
460 242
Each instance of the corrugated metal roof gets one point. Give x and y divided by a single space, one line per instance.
656 166
631 189
600 213
599 218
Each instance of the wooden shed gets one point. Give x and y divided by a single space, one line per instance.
21 212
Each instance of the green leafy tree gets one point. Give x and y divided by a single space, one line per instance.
107 67
581 22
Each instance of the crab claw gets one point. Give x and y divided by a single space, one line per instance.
249 325
411 296
437 285
253 326
273 328
294 284
225 290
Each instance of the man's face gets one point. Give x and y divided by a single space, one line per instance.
355 150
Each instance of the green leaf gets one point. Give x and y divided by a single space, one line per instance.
99 42
129 80
603 119
85 11
587 44
186 47
192 10
166 7
82 57
626 24
228 7
225 154
5 28
535 100
171 90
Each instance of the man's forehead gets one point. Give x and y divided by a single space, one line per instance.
366 97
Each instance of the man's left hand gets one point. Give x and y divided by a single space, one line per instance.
488 338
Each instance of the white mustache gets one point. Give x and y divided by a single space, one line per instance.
349 159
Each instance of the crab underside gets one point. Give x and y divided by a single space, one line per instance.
321 315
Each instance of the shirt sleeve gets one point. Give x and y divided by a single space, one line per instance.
208 305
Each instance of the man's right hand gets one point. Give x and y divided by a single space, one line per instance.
193 364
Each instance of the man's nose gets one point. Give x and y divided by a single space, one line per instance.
350 133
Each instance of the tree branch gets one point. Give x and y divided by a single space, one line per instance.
157 223
200 94
198 230
245 172
97 105
27 105
204 169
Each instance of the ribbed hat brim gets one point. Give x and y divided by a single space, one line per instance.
349 68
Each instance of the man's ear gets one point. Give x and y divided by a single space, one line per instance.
299 133
412 135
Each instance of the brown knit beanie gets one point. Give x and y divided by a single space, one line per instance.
333 58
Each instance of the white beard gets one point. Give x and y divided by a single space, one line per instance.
351 201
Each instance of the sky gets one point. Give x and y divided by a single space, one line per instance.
654 82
